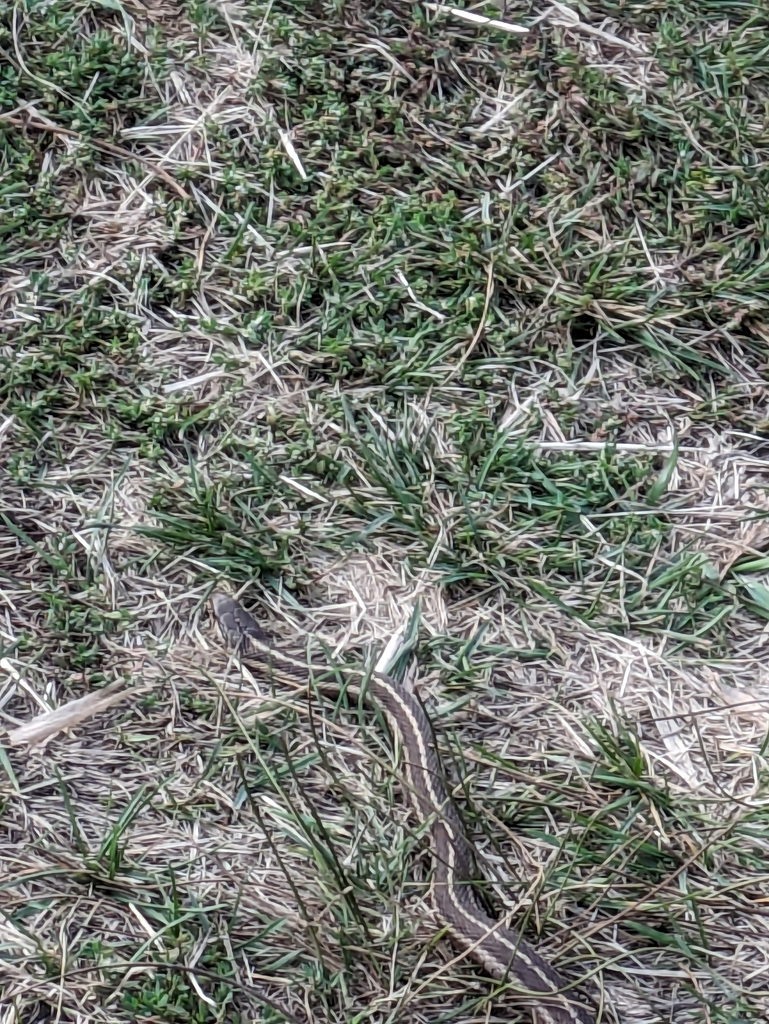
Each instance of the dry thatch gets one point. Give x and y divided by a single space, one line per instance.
354 432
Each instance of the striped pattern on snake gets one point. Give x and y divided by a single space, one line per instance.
499 949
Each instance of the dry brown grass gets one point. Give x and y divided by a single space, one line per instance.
294 386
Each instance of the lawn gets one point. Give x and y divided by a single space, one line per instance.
391 322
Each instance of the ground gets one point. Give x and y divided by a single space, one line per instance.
396 325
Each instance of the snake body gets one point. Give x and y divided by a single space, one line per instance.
500 950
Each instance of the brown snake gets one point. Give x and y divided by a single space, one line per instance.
500 950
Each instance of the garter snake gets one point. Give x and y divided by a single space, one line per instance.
499 949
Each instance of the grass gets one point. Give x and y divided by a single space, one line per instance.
394 321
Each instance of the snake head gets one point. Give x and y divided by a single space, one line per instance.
222 604
236 625
227 612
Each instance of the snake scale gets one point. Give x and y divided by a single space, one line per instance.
500 950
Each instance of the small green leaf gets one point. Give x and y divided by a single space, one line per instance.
6 764
755 565
759 593
660 485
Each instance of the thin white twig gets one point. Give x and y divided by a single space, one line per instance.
417 302
571 20
507 189
302 488
619 446
477 19
293 156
